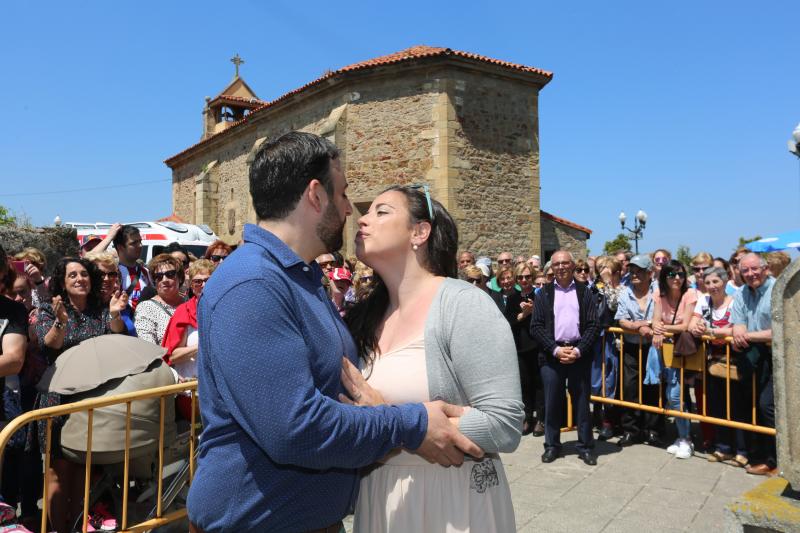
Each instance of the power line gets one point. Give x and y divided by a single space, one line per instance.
84 189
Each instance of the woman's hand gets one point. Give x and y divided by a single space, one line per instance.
658 341
118 303
34 274
659 329
357 387
698 329
526 308
60 310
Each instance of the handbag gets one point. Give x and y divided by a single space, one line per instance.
683 351
719 369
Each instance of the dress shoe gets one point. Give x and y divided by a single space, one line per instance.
741 460
550 455
527 428
759 470
719 457
588 457
606 432
652 438
628 439
538 429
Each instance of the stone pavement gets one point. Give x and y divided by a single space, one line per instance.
636 489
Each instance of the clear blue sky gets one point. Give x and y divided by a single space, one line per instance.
680 108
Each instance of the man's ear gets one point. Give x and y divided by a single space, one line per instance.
316 195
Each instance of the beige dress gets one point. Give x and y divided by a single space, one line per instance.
405 493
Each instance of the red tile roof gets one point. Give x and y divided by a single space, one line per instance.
566 222
225 98
415 52
172 218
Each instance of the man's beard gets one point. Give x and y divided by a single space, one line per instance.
330 229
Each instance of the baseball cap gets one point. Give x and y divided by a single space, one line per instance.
641 261
340 274
484 270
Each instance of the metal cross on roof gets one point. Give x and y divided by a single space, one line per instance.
236 60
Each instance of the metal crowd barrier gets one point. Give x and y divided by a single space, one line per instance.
165 394
660 409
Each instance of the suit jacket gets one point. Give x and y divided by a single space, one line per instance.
521 329
543 321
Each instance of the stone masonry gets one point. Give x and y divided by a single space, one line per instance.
465 125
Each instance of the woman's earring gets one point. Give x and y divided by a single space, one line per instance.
415 247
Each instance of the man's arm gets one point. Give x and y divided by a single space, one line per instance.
539 330
262 372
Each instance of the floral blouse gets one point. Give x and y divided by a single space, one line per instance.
93 322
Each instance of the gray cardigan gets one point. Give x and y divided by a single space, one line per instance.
472 360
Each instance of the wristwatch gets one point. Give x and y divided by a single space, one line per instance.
58 324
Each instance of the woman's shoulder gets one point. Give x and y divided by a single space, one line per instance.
456 291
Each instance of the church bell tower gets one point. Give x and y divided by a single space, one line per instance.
234 103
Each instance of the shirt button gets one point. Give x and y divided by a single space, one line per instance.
306 269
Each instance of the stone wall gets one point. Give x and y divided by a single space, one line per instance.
557 236
55 243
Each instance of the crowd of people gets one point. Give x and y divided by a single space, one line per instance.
404 353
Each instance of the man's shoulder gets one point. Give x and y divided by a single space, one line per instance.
12 310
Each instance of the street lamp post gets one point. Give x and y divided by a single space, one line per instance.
638 227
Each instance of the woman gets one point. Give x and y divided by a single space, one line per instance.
700 263
217 251
582 272
106 264
422 335
674 305
76 313
363 281
520 307
712 317
152 316
474 275
505 280
660 258
35 266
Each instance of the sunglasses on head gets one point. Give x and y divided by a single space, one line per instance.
677 274
427 192
218 258
169 274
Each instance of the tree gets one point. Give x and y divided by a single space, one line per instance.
620 242
6 218
745 240
684 256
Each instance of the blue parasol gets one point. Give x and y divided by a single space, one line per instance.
782 241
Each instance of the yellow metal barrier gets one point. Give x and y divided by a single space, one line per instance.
89 406
660 409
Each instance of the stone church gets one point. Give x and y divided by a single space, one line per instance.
465 124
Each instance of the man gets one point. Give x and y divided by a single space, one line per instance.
278 451
624 257
503 260
134 276
535 262
635 313
752 329
519 259
326 262
465 259
565 325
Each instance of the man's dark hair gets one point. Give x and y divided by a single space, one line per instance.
282 170
124 233
175 247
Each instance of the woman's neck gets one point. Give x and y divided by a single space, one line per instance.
718 299
527 290
405 284
173 300
78 302
674 295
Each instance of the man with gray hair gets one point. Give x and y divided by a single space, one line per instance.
752 330
564 322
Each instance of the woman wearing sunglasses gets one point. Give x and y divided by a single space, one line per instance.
674 304
153 315
422 335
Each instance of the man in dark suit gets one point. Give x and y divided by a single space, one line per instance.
565 325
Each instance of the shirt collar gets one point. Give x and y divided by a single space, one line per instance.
759 292
568 287
278 249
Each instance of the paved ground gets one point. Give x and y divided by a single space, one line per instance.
637 489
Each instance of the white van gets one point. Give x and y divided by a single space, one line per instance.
155 235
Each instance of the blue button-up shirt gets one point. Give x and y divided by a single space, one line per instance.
753 308
278 452
628 309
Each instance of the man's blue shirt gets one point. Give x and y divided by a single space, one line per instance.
278 452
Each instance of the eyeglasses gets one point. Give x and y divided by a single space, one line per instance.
562 264
199 281
218 258
503 261
673 275
474 281
524 276
582 270
699 269
169 274
109 275
324 264
427 192
660 260
538 284
365 279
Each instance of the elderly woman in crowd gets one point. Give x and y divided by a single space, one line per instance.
777 263
363 281
700 263
583 272
474 275
520 307
106 264
674 304
505 280
217 251
35 264
153 315
712 318
75 313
